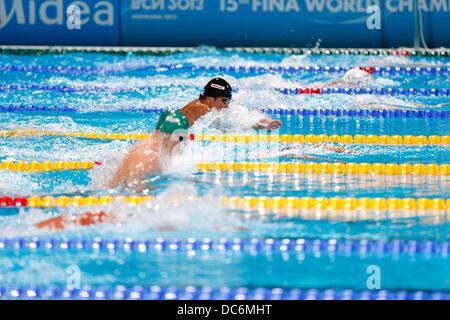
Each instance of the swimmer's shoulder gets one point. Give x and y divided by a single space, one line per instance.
194 110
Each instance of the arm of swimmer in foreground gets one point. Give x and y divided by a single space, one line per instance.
86 219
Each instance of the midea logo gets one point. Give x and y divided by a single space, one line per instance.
53 12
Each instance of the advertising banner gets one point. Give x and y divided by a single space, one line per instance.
277 23
285 23
59 22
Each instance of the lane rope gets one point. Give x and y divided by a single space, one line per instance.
329 168
38 50
22 166
86 135
305 207
247 138
441 70
287 91
371 91
345 139
208 293
271 167
339 112
247 245
346 51
376 113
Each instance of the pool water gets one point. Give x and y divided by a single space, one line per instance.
113 98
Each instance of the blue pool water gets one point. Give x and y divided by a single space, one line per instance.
128 81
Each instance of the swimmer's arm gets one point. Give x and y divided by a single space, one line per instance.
267 123
85 219
334 148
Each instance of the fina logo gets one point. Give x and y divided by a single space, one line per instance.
51 12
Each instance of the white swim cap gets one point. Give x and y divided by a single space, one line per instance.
357 77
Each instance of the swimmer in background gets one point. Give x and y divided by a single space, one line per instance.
360 77
353 78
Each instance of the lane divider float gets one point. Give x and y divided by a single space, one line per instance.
345 139
44 108
434 70
33 50
287 91
370 91
346 51
328 168
247 245
207 293
247 138
65 201
321 208
85 135
46 166
269 167
376 113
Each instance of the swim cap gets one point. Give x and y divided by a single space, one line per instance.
218 87
357 77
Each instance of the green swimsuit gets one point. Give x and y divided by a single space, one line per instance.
172 120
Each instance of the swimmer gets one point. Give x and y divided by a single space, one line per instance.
85 219
362 77
353 78
146 156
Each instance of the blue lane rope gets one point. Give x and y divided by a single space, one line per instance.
89 89
25 108
39 108
444 70
360 113
374 91
271 111
287 91
267 245
209 293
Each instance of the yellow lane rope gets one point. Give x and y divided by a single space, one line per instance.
269 167
336 208
79 201
335 203
347 139
245 138
329 168
34 166
87 135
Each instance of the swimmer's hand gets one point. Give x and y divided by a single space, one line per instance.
86 219
268 124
